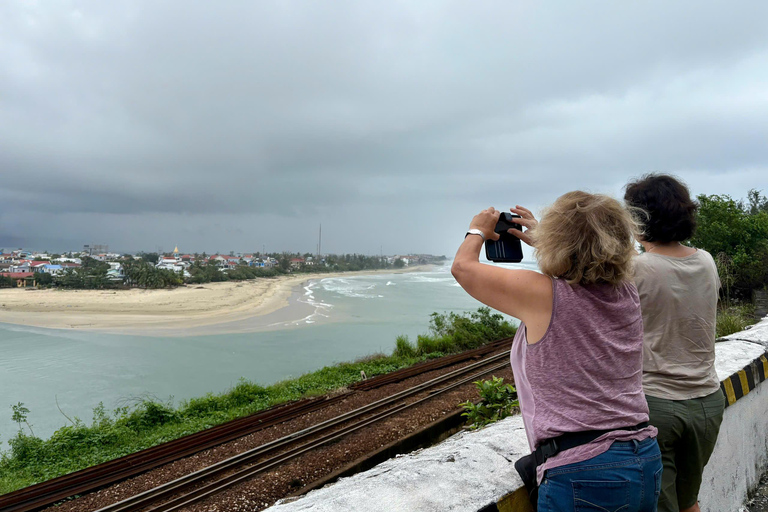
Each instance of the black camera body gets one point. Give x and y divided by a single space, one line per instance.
507 249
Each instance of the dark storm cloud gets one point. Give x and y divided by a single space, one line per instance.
136 122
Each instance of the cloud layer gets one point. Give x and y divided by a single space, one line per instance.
242 126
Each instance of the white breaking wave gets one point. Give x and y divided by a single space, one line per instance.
321 309
355 288
428 279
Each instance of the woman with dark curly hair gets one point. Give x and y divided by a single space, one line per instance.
678 287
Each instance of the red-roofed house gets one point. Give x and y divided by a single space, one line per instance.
23 279
38 266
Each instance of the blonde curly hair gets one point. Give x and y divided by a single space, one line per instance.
586 239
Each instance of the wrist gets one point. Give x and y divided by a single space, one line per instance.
477 232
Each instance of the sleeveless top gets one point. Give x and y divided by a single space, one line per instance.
586 371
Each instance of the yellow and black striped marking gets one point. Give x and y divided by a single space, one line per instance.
742 382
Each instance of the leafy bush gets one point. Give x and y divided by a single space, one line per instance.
150 414
497 401
43 279
736 234
453 333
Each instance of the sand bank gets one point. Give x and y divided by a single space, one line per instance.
176 311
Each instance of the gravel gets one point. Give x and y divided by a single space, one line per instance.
266 488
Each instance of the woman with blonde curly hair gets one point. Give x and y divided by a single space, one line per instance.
578 353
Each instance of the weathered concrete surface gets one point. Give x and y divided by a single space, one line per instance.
758 501
465 472
741 452
474 469
732 356
757 333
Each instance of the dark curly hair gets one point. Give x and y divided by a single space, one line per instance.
670 212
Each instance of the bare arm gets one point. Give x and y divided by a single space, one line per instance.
524 294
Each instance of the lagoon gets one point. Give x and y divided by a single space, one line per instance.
341 319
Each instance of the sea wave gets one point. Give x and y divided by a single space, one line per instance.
354 288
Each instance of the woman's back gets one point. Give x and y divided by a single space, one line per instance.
679 300
585 373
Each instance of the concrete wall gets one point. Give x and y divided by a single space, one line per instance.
741 452
473 471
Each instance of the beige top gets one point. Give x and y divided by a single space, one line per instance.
678 297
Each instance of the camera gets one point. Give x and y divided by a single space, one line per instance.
507 249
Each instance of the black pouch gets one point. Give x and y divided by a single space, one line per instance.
526 468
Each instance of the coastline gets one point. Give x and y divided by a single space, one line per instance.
211 308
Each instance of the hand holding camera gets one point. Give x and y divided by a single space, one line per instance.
503 231
527 220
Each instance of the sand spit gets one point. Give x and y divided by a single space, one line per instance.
141 311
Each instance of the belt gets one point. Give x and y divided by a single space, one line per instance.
554 445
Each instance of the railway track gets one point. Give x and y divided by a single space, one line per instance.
88 480
179 493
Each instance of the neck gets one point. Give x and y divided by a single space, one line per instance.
656 246
674 249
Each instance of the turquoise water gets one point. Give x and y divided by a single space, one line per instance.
346 318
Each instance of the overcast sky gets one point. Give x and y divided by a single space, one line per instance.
220 126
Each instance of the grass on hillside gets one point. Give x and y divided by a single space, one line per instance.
129 429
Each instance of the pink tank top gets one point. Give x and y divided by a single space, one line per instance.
586 373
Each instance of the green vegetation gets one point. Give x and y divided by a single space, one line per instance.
147 422
145 275
94 274
736 234
497 401
734 318
205 272
451 333
91 275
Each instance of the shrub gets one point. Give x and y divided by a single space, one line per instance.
151 413
497 401
403 347
450 332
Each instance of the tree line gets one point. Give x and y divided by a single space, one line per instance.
143 273
735 232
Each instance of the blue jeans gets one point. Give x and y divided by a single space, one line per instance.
626 478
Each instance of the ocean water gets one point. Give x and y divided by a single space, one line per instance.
339 319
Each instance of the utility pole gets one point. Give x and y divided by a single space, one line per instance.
319 242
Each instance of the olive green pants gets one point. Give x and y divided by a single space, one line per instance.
687 433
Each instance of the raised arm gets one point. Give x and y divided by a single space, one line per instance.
524 294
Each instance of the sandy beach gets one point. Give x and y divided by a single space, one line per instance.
176 310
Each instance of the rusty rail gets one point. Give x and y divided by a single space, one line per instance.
174 496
